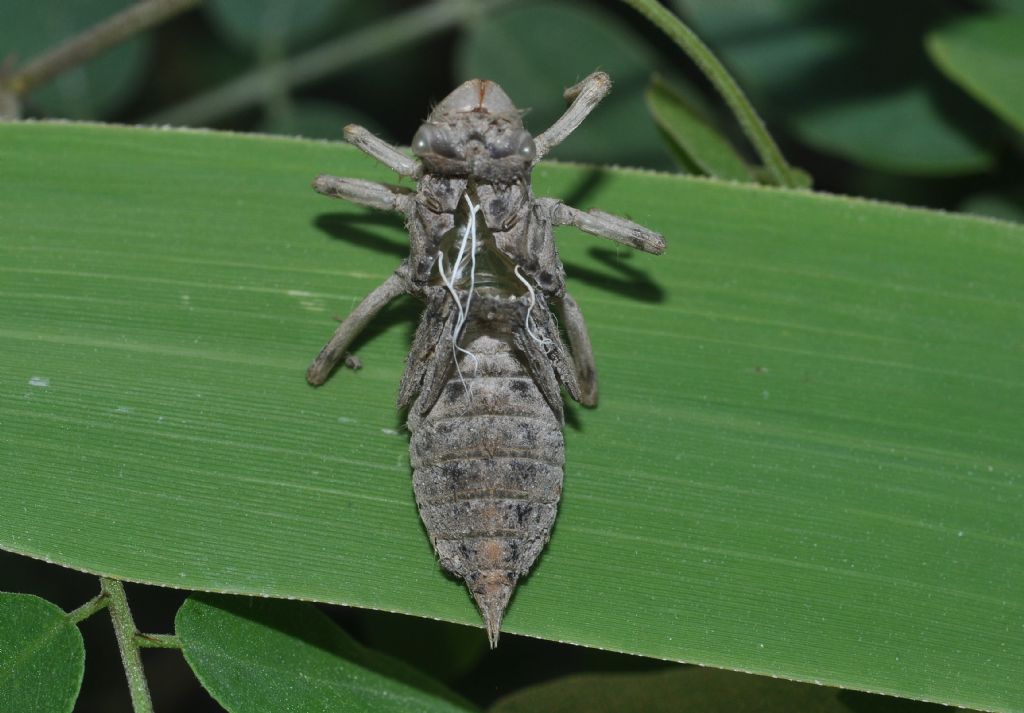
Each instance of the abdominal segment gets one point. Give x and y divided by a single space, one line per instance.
487 458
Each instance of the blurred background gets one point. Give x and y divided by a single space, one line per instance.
856 93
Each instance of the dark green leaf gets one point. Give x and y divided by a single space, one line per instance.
91 91
685 690
806 462
258 655
41 656
692 135
985 56
263 25
902 132
441 649
536 50
849 79
315 120
1007 204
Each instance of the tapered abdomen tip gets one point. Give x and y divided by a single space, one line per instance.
491 591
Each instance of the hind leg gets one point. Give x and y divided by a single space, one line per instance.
582 351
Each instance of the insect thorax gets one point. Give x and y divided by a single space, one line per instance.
508 231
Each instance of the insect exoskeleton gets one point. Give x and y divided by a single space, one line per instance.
484 375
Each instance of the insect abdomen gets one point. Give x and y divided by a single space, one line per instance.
487 472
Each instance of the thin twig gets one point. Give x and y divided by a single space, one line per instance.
157 641
737 101
327 59
97 603
124 629
91 42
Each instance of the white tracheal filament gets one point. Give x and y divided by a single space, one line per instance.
463 258
544 343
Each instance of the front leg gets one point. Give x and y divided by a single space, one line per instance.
584 97
606 225
367 193
349 329
383 152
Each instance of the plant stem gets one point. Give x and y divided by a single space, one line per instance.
97 603
124 629
91 42
742 109
327 59
157 641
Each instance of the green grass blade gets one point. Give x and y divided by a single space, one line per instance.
806 462
984 56
716 73
701 144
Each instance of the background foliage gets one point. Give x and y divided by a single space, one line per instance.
908 103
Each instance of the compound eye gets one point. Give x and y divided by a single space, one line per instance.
430 139
525 148
421 141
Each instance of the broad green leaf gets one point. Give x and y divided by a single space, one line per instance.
690 690
849 79
806 461
42 656
912 125
537 50
985 56
260 25
91 91
770 41
257 655
692 135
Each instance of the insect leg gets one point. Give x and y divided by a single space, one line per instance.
334 350
383 151
368 193
606 225
582 351
584 97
